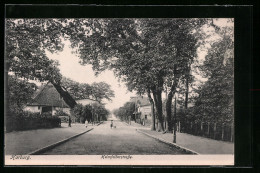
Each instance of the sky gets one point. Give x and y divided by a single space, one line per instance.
71 68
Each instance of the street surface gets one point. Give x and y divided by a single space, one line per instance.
123 139
24 142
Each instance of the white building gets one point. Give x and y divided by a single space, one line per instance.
143 107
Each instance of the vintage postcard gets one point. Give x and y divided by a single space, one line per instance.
119 91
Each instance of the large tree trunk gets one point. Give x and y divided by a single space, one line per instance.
152 110
169 100
186 93
174 122
158 105
65 95
169 112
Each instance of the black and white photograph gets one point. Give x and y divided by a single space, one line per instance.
119 91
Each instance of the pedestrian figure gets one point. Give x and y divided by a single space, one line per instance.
111 125
69 121
86 123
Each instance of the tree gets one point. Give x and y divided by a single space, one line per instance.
91 112
130 109
216 96
215 99
101 91
26 42
21 92
78 113
77 90
146 53
99 112
87 111
126 111
97 90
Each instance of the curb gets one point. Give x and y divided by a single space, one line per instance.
126 123
41 150
170 143
135 127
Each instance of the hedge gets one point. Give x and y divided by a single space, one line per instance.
28 121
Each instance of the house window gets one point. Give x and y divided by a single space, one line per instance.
145 116
39 107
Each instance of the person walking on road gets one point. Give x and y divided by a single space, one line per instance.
86 123
111 125
69 121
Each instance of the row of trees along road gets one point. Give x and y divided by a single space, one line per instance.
91 112
126 111
150 55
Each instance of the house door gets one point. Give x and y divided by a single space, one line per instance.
47 109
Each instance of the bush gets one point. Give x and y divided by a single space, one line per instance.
60 112
64 119
82 113
46 114
77 112
28 121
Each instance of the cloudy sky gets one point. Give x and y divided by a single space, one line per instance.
70 67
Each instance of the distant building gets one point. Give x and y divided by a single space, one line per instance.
143 109
48 99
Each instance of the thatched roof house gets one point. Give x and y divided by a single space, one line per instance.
50 98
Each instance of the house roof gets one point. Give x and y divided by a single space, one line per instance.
48 96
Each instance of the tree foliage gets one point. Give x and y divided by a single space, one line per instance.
216 97
97 90
99 112
147 54
125 111
91 112
21 92
77 90
26 43
102 90
150 55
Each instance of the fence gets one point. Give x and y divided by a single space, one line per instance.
224 132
